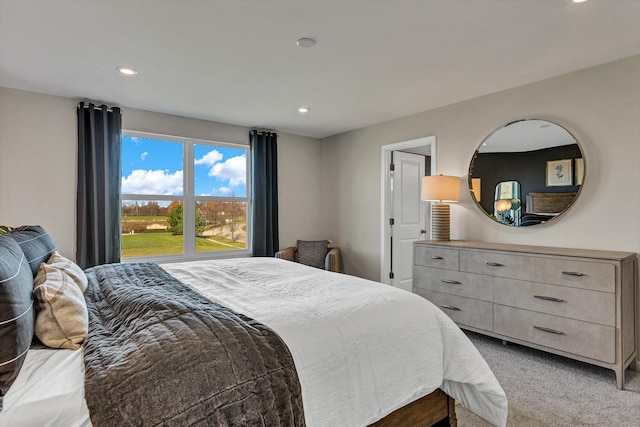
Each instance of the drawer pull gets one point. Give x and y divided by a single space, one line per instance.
451 282
573 273
551 331
495 264
436 257
546 298
450 307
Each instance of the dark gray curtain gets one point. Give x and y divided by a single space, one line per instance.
264 187
99 172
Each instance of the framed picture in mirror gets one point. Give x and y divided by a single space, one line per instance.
559 173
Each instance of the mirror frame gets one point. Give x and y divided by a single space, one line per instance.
470 176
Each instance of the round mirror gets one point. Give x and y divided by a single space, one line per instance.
527 172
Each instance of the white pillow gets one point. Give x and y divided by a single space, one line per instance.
62 320
72 269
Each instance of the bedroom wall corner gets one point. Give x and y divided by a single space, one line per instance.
350 201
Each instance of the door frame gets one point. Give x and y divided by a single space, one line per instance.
385 197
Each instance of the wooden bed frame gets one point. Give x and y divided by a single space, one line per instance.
549 202
435 409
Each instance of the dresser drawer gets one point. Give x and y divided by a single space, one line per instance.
579 304
497 264
577 274
454 282
437 257
463 311
573 336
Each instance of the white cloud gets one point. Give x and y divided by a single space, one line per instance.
152 182
209 159
144 155
225 190
233 169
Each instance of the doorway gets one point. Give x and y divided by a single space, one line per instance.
404 216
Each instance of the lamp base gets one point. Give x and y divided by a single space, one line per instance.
440 221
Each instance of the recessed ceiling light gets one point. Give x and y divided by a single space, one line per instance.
306 42
578 1
127 71
303 110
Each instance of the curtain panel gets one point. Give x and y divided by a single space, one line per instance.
99 176
264 190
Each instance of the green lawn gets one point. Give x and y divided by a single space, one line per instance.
164 243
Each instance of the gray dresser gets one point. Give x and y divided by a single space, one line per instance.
573 302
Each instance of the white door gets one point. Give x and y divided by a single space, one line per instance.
408 213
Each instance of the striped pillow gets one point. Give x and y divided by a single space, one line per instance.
16 312
62 320
71 268
36 244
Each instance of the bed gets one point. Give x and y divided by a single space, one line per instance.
342 350
542 207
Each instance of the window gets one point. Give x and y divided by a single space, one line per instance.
183 198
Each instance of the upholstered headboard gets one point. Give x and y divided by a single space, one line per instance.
548 202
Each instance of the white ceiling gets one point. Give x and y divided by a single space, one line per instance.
526 135
236 61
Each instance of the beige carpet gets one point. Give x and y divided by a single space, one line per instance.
548 390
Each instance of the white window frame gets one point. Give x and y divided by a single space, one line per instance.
189 199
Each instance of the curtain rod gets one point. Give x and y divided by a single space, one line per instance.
97 107
265 130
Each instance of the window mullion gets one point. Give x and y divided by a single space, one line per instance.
189 232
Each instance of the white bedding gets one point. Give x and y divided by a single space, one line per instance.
362 349
49 391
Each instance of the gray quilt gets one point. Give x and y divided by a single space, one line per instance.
158 353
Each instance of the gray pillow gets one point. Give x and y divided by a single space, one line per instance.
36 244
313 252
16 312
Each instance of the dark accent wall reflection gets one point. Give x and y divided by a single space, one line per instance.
529 168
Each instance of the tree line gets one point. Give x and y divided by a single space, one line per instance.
229 217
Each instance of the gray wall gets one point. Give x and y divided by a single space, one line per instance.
600 106
38 139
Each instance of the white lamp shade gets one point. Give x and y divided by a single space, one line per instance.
440 188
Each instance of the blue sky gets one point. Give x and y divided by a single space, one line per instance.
152 166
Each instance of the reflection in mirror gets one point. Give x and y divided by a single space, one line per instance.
541 157
506 206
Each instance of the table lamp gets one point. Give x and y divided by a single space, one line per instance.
442 189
